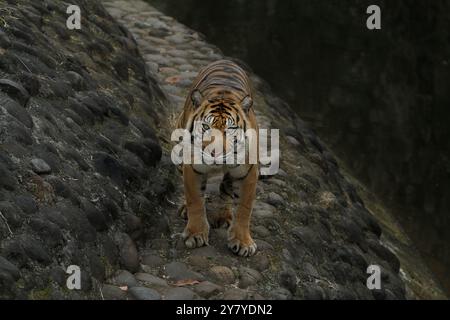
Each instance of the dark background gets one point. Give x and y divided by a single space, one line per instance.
379 99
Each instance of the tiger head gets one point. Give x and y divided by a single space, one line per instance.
220 116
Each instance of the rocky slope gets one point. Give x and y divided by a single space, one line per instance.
86 177
79 157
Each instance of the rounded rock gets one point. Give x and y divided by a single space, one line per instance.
39 166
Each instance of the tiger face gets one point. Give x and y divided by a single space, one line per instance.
219 127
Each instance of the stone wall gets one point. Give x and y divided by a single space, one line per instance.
80 170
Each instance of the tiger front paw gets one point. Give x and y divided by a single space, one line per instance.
241 242
196 234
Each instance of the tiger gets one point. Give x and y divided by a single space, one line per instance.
221 98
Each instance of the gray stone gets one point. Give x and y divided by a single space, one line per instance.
288 279
293 141
206 251
186 67
281 294
248 277
40 166
142 293
235 294
128 253
125 278
207 289
111 292
176 271
151 280
152 261
260 262
222 274
310 270
177 39
200 262
179 294
263 245
261 231
8 267
263 210
275 199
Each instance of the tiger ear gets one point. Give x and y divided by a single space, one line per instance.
196 98
246 103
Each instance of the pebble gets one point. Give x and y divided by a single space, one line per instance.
179 294
152 261
222 274
177 39
293 141
235 294
199 261
125 278
39 166
111 292
261 231
310 270
263 245
150 280
260 262
275 199
176 271
129 257
142 293
264 210
288 280
281 294
8 267
248 277
206 251
207 289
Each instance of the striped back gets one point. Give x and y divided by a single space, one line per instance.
220 77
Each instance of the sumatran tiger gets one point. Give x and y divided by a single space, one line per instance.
221 98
